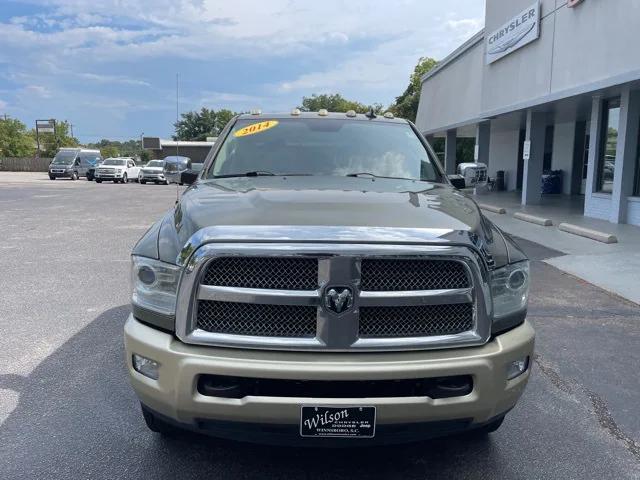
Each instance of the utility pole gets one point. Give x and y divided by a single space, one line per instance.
71 127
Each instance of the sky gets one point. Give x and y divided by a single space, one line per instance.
109 66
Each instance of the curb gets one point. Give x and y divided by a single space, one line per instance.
492 208
588 233
545 222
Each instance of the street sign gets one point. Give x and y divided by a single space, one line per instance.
46 126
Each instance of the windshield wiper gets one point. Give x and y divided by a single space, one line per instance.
261 173
369 174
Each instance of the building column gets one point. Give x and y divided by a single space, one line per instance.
595 137
532 172
483 141
626 151
450 152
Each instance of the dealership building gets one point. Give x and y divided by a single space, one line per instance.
547 86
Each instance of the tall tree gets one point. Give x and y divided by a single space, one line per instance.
335 103
15 140
202 124
406 105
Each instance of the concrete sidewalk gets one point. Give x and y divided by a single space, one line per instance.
613 267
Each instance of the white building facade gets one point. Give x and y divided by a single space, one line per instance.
548 85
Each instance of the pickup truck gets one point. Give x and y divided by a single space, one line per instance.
119 169
322 281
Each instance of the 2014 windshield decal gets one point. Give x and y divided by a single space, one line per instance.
256 128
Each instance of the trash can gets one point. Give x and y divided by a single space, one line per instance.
552 181
500 181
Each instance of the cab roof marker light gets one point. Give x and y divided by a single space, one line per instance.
256 111
295 112
351 113
388 115
323 112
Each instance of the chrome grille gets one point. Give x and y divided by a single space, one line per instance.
415 321
263 272
273 295
380 275
257 320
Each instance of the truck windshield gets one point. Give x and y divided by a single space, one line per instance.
114 161
64 158
324 146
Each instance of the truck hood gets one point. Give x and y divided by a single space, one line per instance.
371 208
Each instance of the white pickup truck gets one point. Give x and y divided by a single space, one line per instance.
120 169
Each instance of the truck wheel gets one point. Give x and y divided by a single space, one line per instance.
51 177
74 176
98 180
124 178
155 424
143 182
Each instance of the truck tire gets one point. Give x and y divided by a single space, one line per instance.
124 178
143 182
98 180
155 424
52 177
74 176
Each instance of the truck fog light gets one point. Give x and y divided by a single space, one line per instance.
517 368
146 275
146 366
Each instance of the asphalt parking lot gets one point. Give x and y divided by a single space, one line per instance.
67 411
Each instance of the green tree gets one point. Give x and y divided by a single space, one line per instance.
109 151
15 140
336 103
202 124
222 118
51 142
406 105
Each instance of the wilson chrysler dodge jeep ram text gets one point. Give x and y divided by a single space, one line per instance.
322 281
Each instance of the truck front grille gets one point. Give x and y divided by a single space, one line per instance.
415 321
256 319
412 274
285 296
263 272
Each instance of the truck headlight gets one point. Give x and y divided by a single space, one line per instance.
155 284
510 289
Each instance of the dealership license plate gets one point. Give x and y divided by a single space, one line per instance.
324 421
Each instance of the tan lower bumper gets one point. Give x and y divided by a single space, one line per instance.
175 394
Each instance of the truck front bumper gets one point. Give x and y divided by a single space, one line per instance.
175 397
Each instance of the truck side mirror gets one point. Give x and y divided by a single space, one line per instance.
188 177
457 181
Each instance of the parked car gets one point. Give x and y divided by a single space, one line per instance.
153 171
73 163
323 282
120 169
91 171
174 166
474 173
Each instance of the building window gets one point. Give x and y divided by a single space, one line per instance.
607 164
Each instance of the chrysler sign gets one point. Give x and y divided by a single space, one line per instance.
522 29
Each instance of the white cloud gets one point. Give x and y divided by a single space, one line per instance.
119 79
37 90
3 104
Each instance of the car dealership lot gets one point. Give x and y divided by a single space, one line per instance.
67 411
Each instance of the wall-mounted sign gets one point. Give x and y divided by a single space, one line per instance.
573 3
522 29
526 150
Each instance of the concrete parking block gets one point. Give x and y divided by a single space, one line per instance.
525 217
492 208
588 233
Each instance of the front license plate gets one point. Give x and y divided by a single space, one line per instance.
352 422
